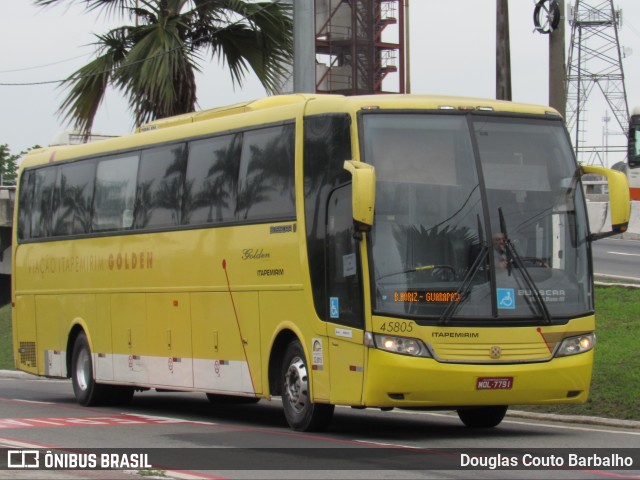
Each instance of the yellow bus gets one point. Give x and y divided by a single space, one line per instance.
405 252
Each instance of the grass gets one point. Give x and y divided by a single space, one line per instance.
615 388
615 385
6 352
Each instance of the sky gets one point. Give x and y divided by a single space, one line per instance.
452 53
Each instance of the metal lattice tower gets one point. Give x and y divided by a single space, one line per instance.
595 60
353 54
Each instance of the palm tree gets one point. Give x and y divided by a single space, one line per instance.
154 61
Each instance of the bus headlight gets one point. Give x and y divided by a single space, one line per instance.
401 345
575 345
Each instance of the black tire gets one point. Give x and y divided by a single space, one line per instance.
301 413
87 391
482 417
219 399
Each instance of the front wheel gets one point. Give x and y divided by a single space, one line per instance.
301 413
482 417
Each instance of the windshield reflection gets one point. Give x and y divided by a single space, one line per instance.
439 251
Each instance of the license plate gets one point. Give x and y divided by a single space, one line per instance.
494 383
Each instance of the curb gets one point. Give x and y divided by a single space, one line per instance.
17 374
551 417
615 281
581 419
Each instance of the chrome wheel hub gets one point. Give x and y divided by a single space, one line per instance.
296 384
83 366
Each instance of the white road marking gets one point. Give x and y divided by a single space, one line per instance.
624 253
32 401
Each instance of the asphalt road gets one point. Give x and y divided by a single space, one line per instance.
617 257
42 414
201 440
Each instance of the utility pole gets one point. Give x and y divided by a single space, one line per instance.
557 69
503 52
548 18
304 52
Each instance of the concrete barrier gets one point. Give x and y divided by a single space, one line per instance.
7 195
600 219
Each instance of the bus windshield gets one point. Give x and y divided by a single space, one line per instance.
478 217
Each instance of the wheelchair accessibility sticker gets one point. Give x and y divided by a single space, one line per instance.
334 307
506 298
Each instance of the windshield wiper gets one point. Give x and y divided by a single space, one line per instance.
463 289
513 257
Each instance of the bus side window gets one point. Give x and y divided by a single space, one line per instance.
266 188
115 193
41 215
74 193
211 180
159 188
25 205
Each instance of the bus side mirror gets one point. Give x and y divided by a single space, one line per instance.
619 199
363 177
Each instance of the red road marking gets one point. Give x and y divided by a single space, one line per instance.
112 420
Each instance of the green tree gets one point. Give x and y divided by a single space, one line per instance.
153 62
8 165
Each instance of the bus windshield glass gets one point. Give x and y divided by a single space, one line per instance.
478 217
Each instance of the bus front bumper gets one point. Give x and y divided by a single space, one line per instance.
402 381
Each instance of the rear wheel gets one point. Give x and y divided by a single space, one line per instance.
87 391
301 413
482 417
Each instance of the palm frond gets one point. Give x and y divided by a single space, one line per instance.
260 39
108 7
89 83
158 74
154 61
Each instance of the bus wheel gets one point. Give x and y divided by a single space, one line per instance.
87 391
482 417
301 413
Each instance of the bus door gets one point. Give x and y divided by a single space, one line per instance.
345 327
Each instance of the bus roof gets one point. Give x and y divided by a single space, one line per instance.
272 109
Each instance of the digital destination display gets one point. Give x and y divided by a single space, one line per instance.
426 296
